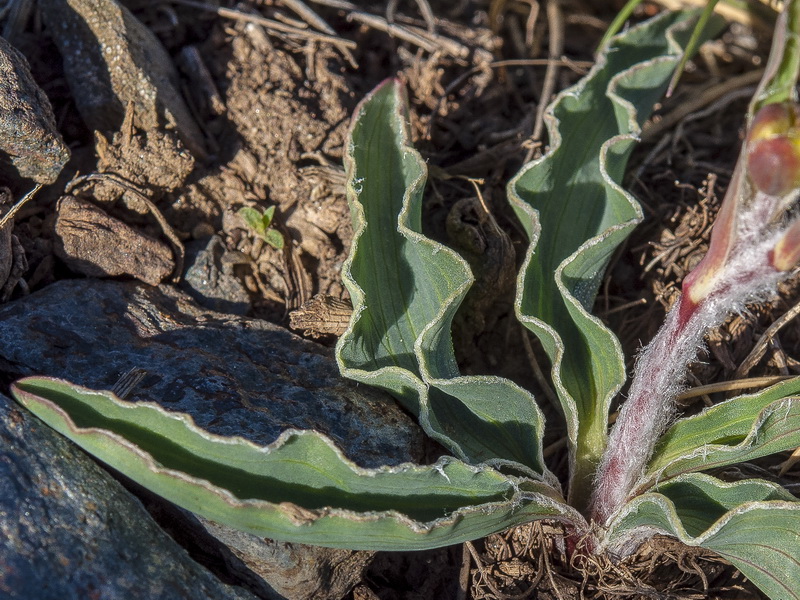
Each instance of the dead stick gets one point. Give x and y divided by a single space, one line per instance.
761 345
15 209
268 23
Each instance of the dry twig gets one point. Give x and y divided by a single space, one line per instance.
555 21
761 345
730 386
15 209
269 24
740 86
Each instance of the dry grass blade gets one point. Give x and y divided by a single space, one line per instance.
793 459
430 42
732 386
738 85
309 16
760 15
424 9
555 20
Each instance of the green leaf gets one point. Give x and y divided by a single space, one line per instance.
753 524
406 289
299 488
619 21
693 44
252 218
274 238
783 67
733 431
576 214
268 215
260 224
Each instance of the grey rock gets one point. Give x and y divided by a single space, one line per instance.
209 279
69 531
233 375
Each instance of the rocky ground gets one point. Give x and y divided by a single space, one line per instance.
150 125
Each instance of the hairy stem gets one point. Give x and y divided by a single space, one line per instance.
745 276
647 412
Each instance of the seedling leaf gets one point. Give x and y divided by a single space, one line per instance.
274 238
253 219
260 223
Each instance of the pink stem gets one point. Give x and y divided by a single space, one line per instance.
647 411
748 274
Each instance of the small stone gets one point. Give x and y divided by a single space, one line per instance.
111 59
93 243
210 281
153 160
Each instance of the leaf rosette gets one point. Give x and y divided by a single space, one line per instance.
406 290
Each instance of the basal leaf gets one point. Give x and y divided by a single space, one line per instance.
733 431
299 488
753 524
406 289
576 215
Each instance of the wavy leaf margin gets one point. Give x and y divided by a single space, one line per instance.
754 524
576 214
406 289
300 488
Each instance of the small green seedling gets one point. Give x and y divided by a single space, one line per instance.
261 224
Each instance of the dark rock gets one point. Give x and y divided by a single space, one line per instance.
28 134
68 531
233 375
210 280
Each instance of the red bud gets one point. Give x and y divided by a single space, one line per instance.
773 120
774 165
